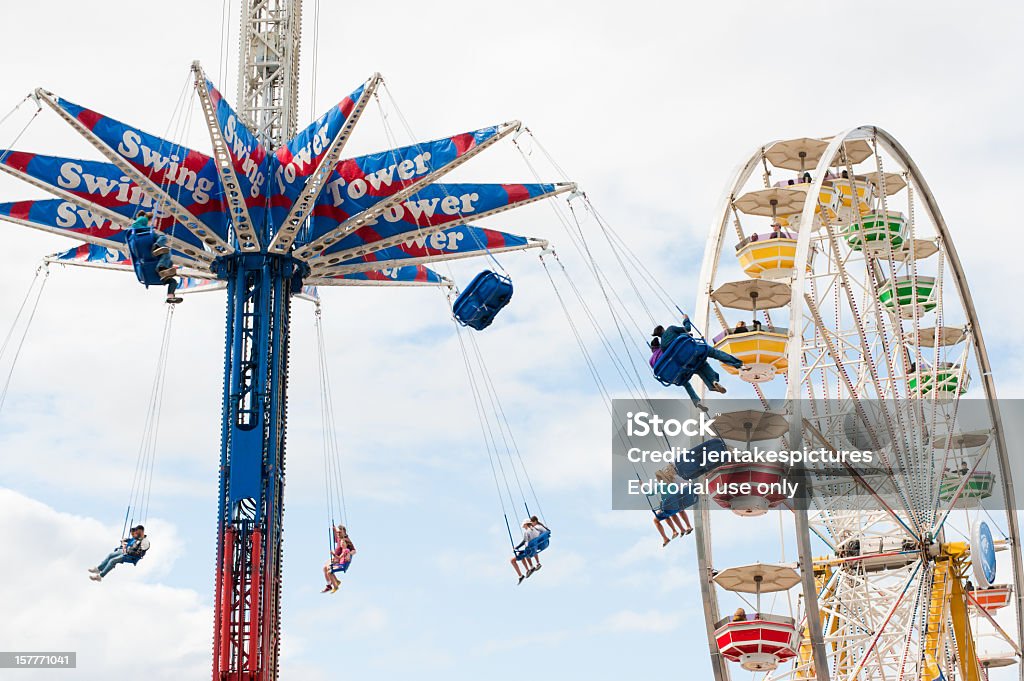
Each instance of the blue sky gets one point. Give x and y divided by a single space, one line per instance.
649 111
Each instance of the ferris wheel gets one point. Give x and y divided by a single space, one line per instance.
832 275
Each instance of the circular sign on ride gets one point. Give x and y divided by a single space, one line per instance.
983 555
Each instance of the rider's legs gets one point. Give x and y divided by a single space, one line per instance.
724 357
708 375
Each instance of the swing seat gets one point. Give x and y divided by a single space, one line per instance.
140 246
340 567
477 306
674 504
535 545
680 360
697 465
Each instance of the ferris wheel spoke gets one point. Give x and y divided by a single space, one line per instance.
844 376
861 481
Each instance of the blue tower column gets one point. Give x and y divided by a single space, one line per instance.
247 605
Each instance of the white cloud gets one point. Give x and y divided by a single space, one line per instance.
50 603
651 621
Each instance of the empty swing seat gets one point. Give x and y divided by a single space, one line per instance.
140 246
534 546
680 360
477 306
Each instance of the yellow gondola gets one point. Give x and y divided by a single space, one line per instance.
828 198
764 256
762 352
846 190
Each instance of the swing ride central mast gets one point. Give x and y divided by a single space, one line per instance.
268 68
252 467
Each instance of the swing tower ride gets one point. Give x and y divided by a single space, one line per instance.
269 212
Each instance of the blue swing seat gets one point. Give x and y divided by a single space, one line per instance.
680 360
688 470
131 560
534 546
477 306
673 504
140 245
340 567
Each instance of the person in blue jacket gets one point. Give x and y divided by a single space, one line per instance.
706 372
164 266
133 548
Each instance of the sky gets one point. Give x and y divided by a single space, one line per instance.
649 108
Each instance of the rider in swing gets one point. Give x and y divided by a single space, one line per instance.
133 549
663 337
165 267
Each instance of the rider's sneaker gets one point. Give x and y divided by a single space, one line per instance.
718 387
157 251
174 300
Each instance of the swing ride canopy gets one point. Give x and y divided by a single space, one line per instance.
376 219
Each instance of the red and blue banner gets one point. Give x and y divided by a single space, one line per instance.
187 176
249 159
297 159
95 255
358 184
412 274
95 183
432 206
65 218
455 241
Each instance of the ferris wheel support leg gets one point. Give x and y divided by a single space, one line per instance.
810 588
970 668
702 525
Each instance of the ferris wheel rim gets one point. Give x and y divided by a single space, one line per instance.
709 268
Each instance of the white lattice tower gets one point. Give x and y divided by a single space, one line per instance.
268 68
